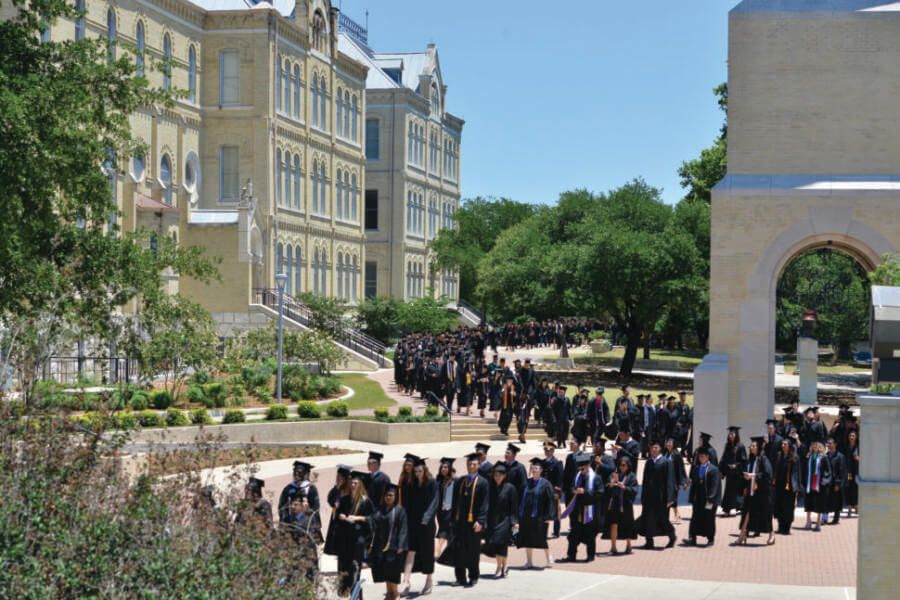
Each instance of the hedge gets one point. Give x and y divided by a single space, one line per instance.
338 408
234 416
277 412
309 410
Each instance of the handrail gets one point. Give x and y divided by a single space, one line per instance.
345 336
475 311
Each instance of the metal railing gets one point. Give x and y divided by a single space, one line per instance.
476 312
346 336
70 370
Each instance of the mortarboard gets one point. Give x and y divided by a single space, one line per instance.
391 488
537 461
419 462
758 439
410 457
734 428
512 448
358 475
376 455
771 422
702 450
582 460
500 468
472 456
299 465
256 484
481 447
705 436
600 390
549 444
344 469
448 461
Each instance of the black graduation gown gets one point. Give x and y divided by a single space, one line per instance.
835 497
502 516
507 406
814 498
587 516
773 448
787 484
516 475
757 498
353 536
733 477
486 469
680 477
569 471
334 497
713 456
375 484
619 505
421 510
387 553
704 490
471 498
851 488
657 491
579 421
535 507
561 412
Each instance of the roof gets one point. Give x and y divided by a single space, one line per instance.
410 64
150 204
285 7
816 6
213 217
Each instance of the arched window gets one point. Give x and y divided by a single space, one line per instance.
409 144
315 94
323 273
111 35
287 270
322 202
338 184
316 272
297 272
79 20
347 278
167 57
296 92
337 114
346 195
322 121
408 280
139 58
353 287
297 182
346 114
319 32
278 177
355 120
287 179
165 176
279 259
278 88
110 168
192 75
355 198
340 272
287 87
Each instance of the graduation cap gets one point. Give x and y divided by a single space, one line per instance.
527 361
500 468
672 398
549 444
772 422
600 390
358 475
844 406
344 469
808 410
562 388
734 428
758 439
641 396
672 439
472 456
391 488
509 376
517 362
513 448
787 410
482 447
625 427
850 418
582 460
375 456
705 437
410 457
702 450
419 462
256 484
662 395
682 393
299 465
815 409
537 461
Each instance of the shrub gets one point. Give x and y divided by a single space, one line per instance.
94 421
309 410
200 417
237 401
331 387
431 410
234 416
195 394
264 395
337 408
176 418
139 400
295 383
272 365
314 387
381 413
237 389
126 421
216 393
256 377
148 418
277 412
161 400
200 377
404 411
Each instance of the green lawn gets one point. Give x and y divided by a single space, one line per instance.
368 393
688 359
825 366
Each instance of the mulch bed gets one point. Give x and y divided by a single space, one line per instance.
177 461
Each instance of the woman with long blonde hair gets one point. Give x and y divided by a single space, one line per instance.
354 532
445 479
421 508
816 477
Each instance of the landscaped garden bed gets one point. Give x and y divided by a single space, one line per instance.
177 461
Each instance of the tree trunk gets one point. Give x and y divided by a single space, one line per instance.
646 345
631 349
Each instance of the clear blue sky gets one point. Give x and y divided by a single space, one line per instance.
563 95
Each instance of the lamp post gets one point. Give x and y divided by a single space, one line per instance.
280 280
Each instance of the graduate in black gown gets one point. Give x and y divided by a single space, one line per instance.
681 478
445 478
301 483
553 473
705 496
787 485
834 498
585 511
515 471
815 477
421 508
387 551
485 468
561 408
757 507
507 404
340 489
255 511
657 495
302 526
375 481
851 489
712 454
470 508
354 532
502 520
734 456
535 506
405 480
618 499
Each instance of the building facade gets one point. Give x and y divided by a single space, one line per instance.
262 162
412 149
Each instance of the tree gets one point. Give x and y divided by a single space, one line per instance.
315 346
700 175
326 314
888 272
479 223
425 315
378 316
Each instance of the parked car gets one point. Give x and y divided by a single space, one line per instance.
862 358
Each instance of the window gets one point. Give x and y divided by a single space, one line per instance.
355 120
278 88
409 144
228 174
371 279
278 177
372 140
338 184
322 204
371 210
354 200
297 272
315 188
165 177
190 173
346 115
340 272
139 57
79 21
229 77
346 195
315 93
111 35
286 76
296 93
347 278
167 57
337 114
297 183
323 274
192 75
138 166
315 272
322 122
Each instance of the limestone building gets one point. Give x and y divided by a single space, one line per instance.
412 147
262 162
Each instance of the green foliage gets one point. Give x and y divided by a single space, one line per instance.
149 418
200 377
234 416
176 418
431 410
309 410
379 317
257 377
312 346
294 383
237 401
327 313
126 421
277 412
337 408
196 395
381 413
139 400
215 393
425 315
264 395
330 387
161 399
888 272
404 411
700 175
199 416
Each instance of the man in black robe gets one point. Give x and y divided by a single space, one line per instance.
773 441
469 513
657 495
375 481
597 414
450 376
585 514
485 468
705 496
834 498
553 472
625 445
515 471
711 452
626 395
507 403
648 423
559 404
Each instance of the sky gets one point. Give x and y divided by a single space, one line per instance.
564 95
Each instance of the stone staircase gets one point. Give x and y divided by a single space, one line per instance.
483 430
